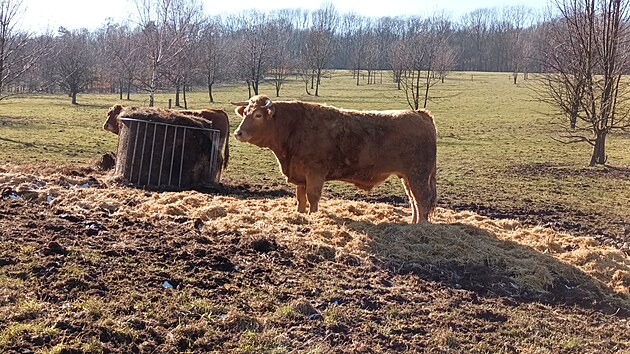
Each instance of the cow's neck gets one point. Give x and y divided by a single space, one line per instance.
280 142
280 149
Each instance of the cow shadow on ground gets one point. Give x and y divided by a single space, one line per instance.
247 191
462 256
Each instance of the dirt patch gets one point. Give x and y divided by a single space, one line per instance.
116 269
605 227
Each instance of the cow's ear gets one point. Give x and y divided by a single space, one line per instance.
240 110
115 110
270 111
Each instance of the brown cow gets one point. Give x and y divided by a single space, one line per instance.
316 143
217 117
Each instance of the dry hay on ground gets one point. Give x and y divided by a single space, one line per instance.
532 258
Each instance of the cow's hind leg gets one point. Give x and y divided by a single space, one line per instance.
314 185
412 200
300 194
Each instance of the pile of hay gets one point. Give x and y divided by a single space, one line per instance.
533 257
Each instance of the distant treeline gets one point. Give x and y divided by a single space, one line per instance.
172 45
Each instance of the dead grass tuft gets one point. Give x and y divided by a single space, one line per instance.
239 322
303 307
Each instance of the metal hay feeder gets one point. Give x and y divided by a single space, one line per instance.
158 154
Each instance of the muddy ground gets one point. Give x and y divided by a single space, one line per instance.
101 282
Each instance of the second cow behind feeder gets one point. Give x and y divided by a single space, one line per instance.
217 117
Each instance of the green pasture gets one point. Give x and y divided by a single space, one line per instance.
494 147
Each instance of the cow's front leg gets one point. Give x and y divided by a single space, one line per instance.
300 194
314 184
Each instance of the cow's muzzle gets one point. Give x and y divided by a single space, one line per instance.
242 136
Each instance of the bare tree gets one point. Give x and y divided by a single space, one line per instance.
445 59
280 63
214 54
156 46
353 32
183 23
320 41
305 72
18 51
586 55
119 43
477 34
372 55
252 45
398 60
420 55
518 19
75 61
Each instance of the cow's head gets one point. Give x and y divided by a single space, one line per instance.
111 124
256 114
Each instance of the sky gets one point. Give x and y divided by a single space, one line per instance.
40 15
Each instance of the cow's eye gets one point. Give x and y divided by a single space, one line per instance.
258 115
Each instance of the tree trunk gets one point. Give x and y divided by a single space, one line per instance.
210 93
128 90
417 92
599 150
426 90
153 85
74 97
306 87
177 88
319 73
184 94
249 89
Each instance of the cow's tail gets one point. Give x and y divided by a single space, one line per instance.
432 184
227 152
433 189
226 155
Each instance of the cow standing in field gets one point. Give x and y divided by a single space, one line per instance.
316 143
217 117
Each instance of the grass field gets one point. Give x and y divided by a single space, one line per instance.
495 151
